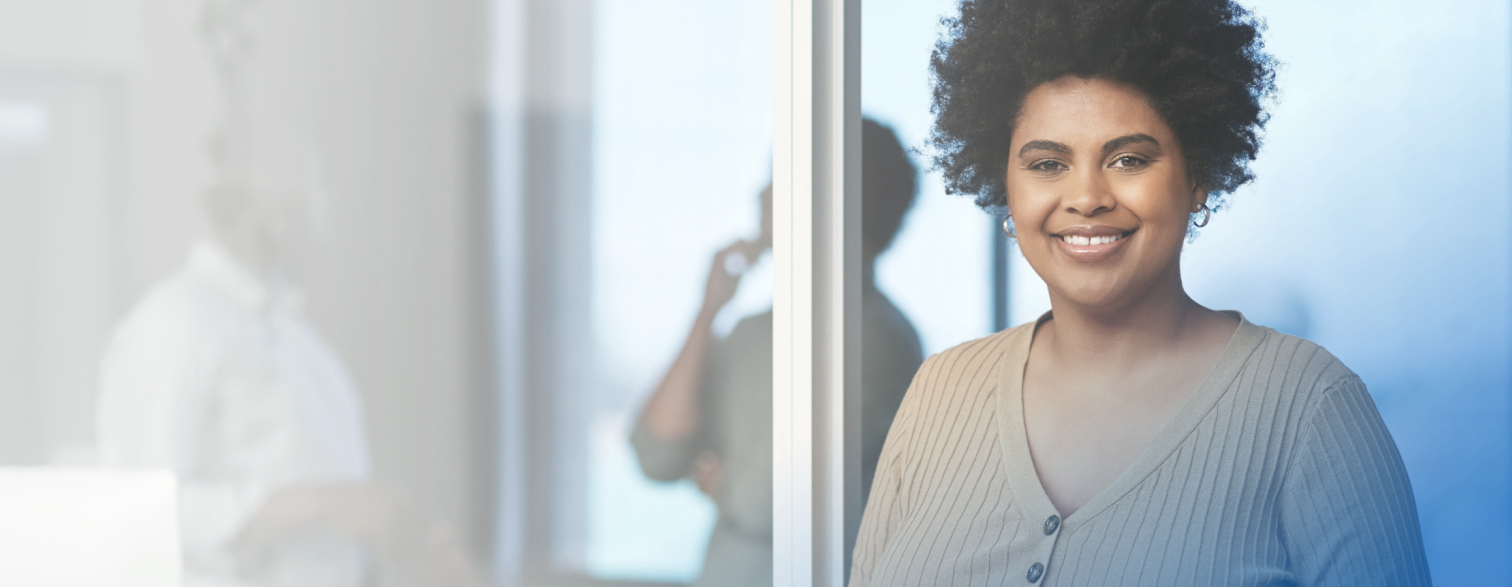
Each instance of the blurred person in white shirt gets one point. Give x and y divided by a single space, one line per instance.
218 376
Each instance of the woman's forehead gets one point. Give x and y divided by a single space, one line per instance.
1074 110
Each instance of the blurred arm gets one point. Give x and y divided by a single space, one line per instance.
673 414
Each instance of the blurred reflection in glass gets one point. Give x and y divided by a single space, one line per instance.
890 348
940 269
710 418
218 376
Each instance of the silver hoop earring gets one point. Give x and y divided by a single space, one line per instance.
1008 227
1207 215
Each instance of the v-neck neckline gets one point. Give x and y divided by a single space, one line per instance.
1029 494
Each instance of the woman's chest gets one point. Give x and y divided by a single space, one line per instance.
1078 449
1206 516
1082 433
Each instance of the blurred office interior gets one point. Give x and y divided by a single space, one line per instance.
107 110
515 203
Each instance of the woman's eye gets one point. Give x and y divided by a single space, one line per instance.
1128 161
1047 165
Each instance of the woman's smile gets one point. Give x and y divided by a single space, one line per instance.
1092 244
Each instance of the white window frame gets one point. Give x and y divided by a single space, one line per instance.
816 307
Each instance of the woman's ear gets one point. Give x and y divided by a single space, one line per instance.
1199 197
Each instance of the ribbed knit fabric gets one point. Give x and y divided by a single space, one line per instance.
1278 471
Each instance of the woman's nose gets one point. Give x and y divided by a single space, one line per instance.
1089 194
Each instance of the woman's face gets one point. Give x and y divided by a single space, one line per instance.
1099 192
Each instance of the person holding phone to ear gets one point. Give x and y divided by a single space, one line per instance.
710 419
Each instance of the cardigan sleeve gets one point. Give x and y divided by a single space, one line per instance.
1347 510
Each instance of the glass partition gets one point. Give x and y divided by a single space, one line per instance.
633 220
1391 133
242 323
681 157
938 271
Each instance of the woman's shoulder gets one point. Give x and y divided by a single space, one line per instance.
957 385
974 353
971 365
1307 359
1293 368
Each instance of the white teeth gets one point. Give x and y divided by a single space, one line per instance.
1085 241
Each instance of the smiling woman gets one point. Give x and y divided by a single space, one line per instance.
1130 436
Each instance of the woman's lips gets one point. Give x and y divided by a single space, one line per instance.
1091 245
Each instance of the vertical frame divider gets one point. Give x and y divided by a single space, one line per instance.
816 298
506 106
792 323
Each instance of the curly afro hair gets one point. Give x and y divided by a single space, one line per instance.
1201 63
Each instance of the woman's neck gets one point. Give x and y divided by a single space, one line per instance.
1124 337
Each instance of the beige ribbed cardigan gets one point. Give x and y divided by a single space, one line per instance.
1278 471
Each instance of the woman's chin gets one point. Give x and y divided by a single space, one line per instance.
1094 296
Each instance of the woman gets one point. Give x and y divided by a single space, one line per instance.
1130 436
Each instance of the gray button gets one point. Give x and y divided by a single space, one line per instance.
1035 572
1052 524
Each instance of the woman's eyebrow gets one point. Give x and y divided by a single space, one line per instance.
1042 145
1127 140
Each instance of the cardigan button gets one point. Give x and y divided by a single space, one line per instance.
1052 524
1035 572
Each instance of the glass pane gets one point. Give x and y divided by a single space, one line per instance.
644 360
928 279
1379 228
242 294
681 155
938 271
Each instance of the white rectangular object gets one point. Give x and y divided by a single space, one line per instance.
88 528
